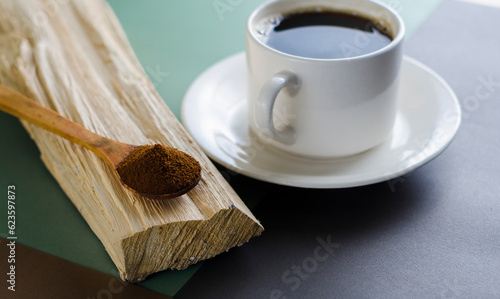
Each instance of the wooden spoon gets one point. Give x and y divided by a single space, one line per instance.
112 151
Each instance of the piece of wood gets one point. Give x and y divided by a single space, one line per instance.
73 57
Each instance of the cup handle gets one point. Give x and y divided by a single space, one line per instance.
286 81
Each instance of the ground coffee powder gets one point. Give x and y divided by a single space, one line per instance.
157 169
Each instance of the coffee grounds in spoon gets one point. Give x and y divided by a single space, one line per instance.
156 170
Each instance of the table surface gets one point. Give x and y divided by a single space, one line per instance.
434 233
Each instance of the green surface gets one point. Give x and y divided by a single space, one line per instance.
175 41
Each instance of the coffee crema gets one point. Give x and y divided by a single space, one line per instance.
324 34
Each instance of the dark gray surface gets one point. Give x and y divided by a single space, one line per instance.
435 234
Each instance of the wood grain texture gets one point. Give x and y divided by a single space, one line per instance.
73 57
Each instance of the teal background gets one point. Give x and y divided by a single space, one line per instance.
175 41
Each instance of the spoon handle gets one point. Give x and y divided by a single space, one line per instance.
22 107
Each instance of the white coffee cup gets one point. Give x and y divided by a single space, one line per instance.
323 108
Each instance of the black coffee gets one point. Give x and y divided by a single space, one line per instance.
325 35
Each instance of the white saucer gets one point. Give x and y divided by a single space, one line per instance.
214 113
